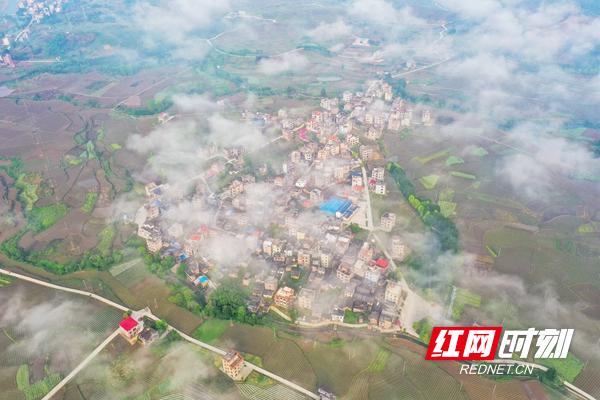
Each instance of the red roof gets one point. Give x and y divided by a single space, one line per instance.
128 324
382 263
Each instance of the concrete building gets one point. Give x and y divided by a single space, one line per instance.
284 297
306 298
233 363
130 329
388 221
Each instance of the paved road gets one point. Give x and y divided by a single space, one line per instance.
81 366
148 313
368 196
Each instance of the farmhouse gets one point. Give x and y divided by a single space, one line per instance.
130 328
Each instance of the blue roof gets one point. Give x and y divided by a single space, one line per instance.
335 205
202 279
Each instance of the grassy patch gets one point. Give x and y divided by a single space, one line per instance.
90 202
36 390
106 235
591 227
454 160
567 368
434 156
380 361
42 218
4 281
463 175
350 317
479 152
115 146
73 161
464 298
492 251
429 181
447 208
211 330
28 185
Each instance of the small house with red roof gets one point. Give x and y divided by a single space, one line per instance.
130 328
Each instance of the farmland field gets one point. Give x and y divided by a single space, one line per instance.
44 334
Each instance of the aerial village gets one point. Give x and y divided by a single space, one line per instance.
36 11
311 258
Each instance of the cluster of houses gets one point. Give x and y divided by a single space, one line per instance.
39 9
301 232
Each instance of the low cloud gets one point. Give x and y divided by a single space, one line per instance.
288 62
326 31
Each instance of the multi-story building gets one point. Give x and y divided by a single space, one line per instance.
284 297
398 248
130 328
303 258
378 173
388 221
366 152
380 188
233 363
393 293
306 298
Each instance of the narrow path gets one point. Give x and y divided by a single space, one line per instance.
148 313
81 366
368 195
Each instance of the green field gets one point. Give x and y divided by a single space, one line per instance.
439 154
430 181
454 160
568 368
42 218
463 299
211 330
463 175
90 202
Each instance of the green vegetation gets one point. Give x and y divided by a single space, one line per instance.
479 152
380 361
434 156
211 330
492 251
153 107
447 208
184 297
14 168
4 281
464 298
336 343
423 328
106 235
454 160
42 218
28 184
428 211
38 389
463 175
228 302
430 181
90 202
568 368
91 259
589 228
351 317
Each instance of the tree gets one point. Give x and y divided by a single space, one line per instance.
161 325
323 92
